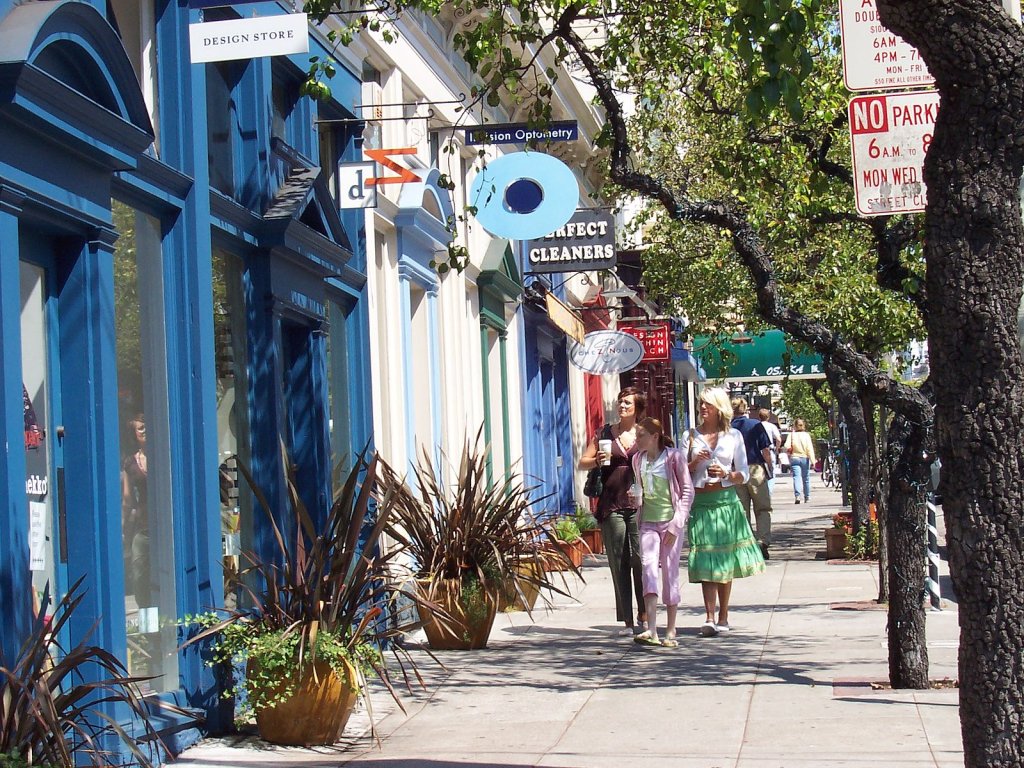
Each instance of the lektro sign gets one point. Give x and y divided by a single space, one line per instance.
248 38
654 338
874 59
585 242
522 133
606 352
890 135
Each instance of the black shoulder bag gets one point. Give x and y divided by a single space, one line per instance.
594 486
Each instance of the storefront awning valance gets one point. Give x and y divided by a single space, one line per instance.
769 356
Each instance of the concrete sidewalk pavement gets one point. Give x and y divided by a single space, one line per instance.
789 687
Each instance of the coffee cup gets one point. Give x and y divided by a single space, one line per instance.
605 447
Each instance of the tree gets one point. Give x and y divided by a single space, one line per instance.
974 280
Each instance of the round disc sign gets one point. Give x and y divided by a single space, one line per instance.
604 352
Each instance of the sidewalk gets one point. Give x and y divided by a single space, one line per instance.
788 688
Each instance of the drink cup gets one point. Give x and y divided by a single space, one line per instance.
605 447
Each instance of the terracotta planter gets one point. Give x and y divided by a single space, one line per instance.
510 600
593 540
835 543
471 625
317 711
573 552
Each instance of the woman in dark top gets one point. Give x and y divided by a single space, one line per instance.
615 512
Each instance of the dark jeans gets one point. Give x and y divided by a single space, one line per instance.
622 545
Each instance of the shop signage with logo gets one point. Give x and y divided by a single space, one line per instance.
654 338
522 133
607 352
564 318
250 38
585 243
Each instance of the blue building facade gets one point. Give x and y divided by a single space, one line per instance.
189 300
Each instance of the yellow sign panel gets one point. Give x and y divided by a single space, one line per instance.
563 317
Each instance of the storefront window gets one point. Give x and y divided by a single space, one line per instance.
338 394
146 503
231 355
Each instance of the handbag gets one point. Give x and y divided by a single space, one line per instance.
595 483
594 486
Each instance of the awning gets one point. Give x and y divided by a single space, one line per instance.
769 356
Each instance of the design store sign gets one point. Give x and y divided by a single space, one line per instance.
278 35
607 352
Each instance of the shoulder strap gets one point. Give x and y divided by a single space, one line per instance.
606 433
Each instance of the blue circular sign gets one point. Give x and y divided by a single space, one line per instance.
524 195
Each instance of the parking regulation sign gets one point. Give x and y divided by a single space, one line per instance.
875 59
890 135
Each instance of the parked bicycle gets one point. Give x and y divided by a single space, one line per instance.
830 464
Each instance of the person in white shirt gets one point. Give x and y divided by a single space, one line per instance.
722 546
775 435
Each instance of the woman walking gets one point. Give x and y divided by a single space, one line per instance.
722 546
664 495
615 511
800 448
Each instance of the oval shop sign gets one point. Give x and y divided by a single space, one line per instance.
607 352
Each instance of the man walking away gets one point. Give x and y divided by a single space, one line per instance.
754 493
776 437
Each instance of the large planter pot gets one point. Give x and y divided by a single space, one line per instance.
835 543
315 713
593 540
471 624
573 551
510 600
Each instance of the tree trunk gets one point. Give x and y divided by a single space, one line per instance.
973 243
852 410
906 526
882 503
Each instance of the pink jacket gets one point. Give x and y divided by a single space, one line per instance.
679 484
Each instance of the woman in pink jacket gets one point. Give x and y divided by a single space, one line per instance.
663 493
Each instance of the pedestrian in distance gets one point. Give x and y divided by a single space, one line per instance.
765 417
722 546
664 494
613 448
754 494
800 448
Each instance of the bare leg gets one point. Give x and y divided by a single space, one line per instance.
670 621
651 606
724 593
710 591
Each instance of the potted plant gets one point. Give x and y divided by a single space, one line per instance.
835 537
568 540
52 700
469 539
318 615
589 531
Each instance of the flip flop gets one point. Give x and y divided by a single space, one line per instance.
670 642
645 638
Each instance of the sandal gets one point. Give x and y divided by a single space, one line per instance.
646 638
670 642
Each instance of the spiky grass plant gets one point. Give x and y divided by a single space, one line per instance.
325 593
55 701
455 524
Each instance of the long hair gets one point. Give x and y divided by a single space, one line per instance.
652 426
718 399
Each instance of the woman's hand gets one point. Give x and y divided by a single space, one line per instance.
602 458
702 455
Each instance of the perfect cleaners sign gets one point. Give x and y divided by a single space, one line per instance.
586 243
279 35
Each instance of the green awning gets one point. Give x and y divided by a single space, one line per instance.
769 356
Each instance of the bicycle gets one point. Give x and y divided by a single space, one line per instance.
830 465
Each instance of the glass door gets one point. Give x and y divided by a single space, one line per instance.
43 456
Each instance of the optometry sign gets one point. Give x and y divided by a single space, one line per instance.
252 38
585 242
524 195
521 133
606 352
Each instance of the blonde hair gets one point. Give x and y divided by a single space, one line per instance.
718 399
